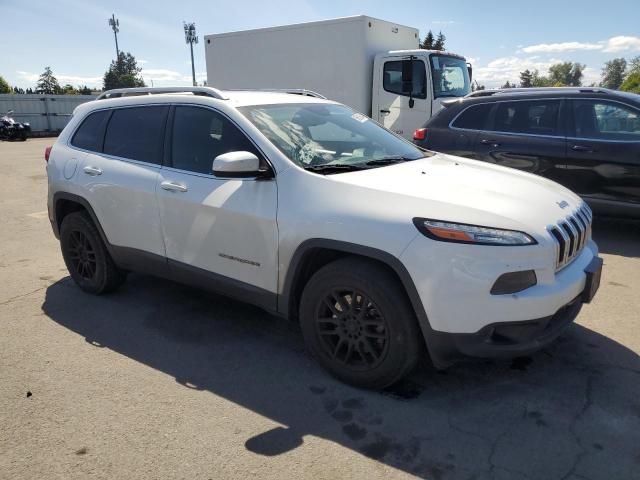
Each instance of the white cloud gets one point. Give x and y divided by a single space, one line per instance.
561 47
614 44
622 43
498 71
63 79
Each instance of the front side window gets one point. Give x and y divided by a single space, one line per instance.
450 76
325 134
392 78
605 120
136 133
475 117
200 135
89 135
536 117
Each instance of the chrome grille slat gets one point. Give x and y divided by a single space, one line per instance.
571 234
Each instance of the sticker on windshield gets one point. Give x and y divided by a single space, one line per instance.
359 117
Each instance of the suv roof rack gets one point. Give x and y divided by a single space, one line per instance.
131 92
520 90
292 91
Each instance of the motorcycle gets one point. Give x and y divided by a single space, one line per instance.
12 130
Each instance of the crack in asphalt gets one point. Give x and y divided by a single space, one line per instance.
18 297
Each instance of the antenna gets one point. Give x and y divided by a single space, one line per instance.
190 37
114 23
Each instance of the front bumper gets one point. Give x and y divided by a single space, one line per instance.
504 339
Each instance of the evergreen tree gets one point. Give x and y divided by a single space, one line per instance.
613 73
428 41
48 83
439 43
123 73
525 79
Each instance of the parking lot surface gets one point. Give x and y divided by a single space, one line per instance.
163 381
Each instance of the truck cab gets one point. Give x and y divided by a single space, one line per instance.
410 85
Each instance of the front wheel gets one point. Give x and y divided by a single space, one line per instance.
357 321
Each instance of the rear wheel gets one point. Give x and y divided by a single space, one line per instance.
357 321
86 256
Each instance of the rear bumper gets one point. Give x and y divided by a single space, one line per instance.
504 339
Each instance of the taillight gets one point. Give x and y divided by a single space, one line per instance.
47 152
420 134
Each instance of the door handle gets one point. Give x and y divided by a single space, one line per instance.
173 186
493 143
93 171
582 148
385 112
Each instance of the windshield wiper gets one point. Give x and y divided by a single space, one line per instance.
387 160
333 168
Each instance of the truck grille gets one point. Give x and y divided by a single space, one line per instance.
571 234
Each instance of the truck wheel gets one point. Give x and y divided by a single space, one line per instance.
86 256
357 321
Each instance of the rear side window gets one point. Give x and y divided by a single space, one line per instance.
475 117
90 134
606 121
200 135
136 133
537 117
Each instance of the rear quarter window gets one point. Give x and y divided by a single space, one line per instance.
90 134
475 117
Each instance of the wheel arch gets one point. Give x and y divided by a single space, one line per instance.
314 253
65 203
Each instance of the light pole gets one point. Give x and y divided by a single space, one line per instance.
191 38
115 23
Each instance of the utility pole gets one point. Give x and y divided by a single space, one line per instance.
115 23
191 38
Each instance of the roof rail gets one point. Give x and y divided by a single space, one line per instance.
292 91
501 91
130 92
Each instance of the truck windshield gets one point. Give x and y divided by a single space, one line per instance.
450 76
319 135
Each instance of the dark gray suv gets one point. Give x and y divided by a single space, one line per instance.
587 139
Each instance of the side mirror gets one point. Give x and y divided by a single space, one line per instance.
238 165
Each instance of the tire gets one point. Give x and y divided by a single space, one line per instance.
357 322
86 255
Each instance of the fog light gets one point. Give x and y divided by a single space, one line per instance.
513 282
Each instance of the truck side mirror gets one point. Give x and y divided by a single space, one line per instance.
407 72
470 70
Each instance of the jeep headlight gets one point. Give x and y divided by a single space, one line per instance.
473 234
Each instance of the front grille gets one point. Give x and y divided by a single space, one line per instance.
571 234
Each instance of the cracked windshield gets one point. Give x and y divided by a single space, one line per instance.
329 137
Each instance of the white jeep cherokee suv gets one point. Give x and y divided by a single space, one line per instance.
315 212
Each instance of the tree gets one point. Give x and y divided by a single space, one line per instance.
4 86
68 89
428 41
525 79
48 83
123 73
538 80
475 86
631 83
566 74
18 90
508 85
613 73
439 43
84 90
634 65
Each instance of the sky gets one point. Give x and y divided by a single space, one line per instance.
499 38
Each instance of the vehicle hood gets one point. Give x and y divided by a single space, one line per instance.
446 187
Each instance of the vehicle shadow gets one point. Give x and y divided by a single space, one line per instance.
617 236
570 411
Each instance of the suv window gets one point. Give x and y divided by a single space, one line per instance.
136 133
91 132
392 78
605 120
475 117
200 135
535 117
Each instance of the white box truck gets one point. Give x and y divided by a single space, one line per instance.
372 65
